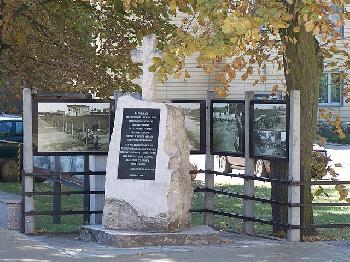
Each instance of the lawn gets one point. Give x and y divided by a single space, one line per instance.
322 215
72 223
44 224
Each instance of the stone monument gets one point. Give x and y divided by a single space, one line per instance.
145 56
148 188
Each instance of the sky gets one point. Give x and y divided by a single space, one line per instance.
268 106
186 105
53 107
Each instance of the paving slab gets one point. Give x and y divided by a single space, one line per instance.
17 247
196 236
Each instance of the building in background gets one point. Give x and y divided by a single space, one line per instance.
195 88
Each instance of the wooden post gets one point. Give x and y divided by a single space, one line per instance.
248 205
28 181
97 183
86 189
56 203
294 165
72 129
208 218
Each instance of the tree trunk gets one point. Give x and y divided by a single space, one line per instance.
279 192
303 65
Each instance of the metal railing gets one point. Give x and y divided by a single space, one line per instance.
286 226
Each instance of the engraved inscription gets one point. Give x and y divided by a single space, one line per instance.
139 143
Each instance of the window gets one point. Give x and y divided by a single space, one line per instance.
330 89
335 18
5 128
19 128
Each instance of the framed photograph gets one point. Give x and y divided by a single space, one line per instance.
71 126
227 127
194 111
269 129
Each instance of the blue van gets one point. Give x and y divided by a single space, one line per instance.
11 128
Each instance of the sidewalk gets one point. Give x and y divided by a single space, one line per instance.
17 247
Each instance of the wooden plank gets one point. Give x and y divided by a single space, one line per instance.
28 181
209 165
249 170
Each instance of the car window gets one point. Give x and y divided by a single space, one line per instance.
19 128
5 128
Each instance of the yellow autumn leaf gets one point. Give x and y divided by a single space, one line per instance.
172 5
296 29
242 27
210 54
309 26
227 26
316 30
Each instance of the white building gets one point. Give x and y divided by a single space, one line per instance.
78 110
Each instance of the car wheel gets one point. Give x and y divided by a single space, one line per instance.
10 172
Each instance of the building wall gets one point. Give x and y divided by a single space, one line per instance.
200 82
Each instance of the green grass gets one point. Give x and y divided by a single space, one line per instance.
72 223
322 215
44 224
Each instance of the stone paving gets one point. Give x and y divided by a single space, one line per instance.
17 247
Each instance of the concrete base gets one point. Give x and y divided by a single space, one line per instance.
202 235
10 211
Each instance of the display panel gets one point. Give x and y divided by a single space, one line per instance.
269 129
227 127
194 111
71 126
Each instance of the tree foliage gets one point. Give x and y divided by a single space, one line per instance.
299 37
71 45
243 34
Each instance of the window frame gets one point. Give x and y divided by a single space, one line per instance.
329 91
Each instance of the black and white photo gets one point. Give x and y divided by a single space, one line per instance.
269 135
194 112
73 127
227 136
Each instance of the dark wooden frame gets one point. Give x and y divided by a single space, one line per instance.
227 153
252 127
202 106
43 99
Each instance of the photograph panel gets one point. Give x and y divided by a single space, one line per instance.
227 128
269 133
270 143
193 117
270 117
73 127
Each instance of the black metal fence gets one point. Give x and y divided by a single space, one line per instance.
67 179
286 226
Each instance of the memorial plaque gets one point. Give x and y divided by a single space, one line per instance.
139 143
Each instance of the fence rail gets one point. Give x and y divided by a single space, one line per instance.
65 178
302 204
